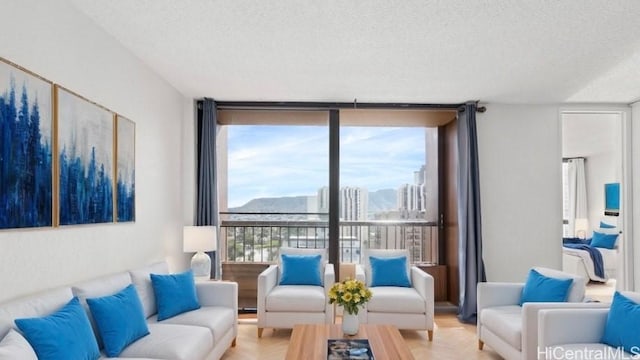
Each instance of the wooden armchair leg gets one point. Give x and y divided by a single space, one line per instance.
480 344
260 332
430 335
233 343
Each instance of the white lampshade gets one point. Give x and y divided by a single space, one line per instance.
199 238
581 227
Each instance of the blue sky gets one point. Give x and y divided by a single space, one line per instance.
273 161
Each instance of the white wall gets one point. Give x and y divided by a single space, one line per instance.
54 40
521 192
635 188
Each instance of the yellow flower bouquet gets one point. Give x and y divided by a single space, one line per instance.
351 294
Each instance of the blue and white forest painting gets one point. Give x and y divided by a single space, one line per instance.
85 150
25 149
126 180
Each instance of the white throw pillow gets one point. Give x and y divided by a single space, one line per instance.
15 347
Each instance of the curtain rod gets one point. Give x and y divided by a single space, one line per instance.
332 105
566 159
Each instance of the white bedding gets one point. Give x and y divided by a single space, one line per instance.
585 266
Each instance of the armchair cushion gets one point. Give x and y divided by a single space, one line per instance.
577 288
301 270
506 322
379 253
540 288
621 329
387 298
296 298
389 271
303 251
175 294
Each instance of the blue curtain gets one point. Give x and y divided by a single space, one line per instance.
207 182
471 266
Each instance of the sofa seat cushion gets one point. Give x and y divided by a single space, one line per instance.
296 298
168 341
218 319
505 322
394 299
583 351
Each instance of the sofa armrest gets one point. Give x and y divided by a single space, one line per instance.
267 280
218 293
530 313
424 285
570 326
360 273
329 280
492 294
329 277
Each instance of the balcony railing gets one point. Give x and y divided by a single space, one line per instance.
258 240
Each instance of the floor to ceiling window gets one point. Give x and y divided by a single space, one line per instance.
274 183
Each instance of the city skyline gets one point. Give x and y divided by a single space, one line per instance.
263 160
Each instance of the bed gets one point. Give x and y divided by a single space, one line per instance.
577 258
579 262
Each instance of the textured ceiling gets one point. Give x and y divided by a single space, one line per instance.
527 51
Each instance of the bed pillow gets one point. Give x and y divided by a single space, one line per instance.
607 241
301 270
175 294
621 328
604 225
119 318
65 334
540 288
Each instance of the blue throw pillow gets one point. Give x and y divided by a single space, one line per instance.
604 225
301 270
175 294
540 288
119 319
389 271
65 334
607 241
621 329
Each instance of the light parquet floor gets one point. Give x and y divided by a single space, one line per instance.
452 340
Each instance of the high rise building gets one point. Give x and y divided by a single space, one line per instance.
420 175
411 197
354 203
323 200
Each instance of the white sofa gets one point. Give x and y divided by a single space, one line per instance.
205 333
408 308
512 330
283 306
577 332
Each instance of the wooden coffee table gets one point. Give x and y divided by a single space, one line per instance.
309 341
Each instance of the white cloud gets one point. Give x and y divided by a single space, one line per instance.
271 161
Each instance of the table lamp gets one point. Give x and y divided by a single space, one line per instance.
199 239
581 228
